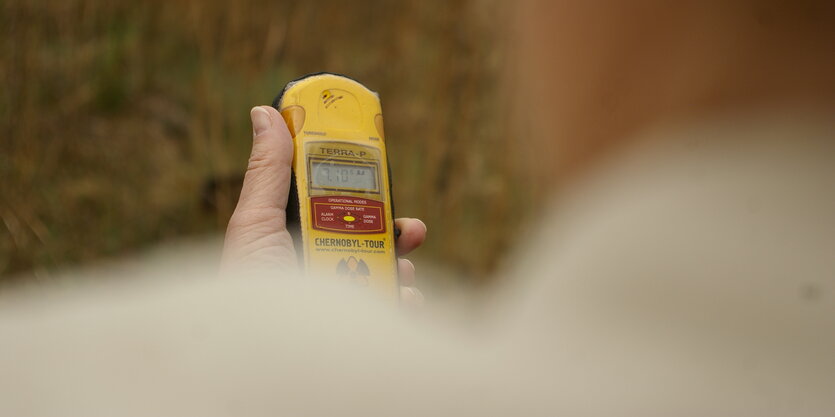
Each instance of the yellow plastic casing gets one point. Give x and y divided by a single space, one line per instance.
342 178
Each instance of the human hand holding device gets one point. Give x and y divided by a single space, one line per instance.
257 235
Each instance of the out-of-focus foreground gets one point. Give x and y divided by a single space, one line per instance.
126 123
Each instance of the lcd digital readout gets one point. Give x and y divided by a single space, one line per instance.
343 176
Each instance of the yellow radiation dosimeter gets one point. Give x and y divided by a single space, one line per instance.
341 180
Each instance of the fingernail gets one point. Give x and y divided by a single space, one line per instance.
260 120
422 224
412 296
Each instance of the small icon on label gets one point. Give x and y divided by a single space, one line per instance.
356 271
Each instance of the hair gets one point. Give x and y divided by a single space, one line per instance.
598 72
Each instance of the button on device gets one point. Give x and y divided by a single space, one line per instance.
294 117
349 218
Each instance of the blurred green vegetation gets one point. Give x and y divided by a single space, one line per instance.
125 124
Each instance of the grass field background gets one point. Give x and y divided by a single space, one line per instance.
125 124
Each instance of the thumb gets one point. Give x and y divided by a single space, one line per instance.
257 232
267 180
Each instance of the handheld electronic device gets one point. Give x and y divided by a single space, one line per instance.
341 180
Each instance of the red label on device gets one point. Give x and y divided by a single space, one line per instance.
347 214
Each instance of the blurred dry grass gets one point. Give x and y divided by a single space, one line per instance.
118 117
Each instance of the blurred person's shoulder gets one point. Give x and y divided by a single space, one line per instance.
701 256
738 192
694 269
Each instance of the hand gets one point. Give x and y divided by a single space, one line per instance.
257 235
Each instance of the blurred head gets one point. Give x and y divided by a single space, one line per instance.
593 73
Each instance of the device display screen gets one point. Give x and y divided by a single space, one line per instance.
336 175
